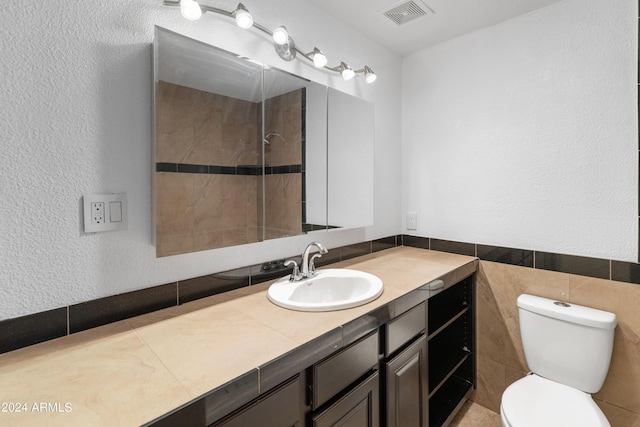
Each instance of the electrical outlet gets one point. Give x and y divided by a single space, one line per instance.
412 221
97 213
105 212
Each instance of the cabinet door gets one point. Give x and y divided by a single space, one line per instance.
407 392
280 408
358 408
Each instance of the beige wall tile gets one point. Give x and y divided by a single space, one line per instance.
174 123
274 201
234 201
292 213
498 337
622 386
174 244
209 211
284 116
506 283
619 417
208 240
174 203
491 383
208 126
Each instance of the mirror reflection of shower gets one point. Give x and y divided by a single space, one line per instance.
267 139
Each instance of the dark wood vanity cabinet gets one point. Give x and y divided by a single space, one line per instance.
414 370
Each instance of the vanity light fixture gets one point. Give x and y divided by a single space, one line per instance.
243 17
190 10
280 35
346 71
319 59
369 75
283 43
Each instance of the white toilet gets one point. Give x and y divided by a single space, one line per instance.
568 350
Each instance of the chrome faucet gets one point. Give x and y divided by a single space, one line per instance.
308 267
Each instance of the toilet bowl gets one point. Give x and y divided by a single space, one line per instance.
534 401
568 350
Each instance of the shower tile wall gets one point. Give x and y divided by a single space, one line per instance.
208 183
201 132
284 116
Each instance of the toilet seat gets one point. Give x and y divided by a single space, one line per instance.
534 401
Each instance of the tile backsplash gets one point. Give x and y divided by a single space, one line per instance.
504 273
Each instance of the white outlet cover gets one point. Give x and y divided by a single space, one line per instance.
412 221
115 212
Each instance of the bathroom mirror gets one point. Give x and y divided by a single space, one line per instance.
240 151
350 160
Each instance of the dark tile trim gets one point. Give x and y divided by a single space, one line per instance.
461 248
244 170
99 312
206 286
625 272
32 329
384 243
570 264
521 257
583 266
416 242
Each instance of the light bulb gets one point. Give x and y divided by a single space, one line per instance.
280 35
243 17
347 72
190 10
369 75
319 59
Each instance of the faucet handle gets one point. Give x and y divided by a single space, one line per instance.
295 274
312 264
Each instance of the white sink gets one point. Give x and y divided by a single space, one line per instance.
330 289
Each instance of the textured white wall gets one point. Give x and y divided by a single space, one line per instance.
525 134
76 119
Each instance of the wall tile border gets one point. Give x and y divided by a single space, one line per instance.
245 170
39 327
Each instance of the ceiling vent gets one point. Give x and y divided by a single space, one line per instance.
407 11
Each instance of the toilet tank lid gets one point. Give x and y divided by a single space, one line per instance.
568 312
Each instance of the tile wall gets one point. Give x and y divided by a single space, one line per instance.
506 273
209 176
284 115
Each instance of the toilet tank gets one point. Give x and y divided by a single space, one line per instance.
566 343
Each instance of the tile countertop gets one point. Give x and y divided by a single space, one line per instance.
133 371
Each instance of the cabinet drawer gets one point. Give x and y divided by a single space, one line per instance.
403 328
279 408
341 369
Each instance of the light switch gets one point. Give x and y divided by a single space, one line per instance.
115 211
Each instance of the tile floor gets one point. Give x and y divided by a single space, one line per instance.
474 415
